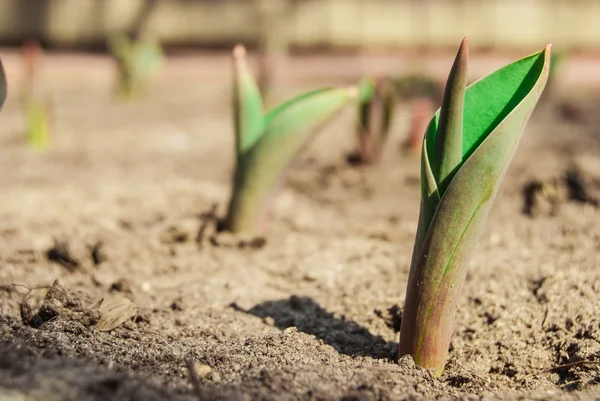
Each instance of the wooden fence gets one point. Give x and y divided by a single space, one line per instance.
494 24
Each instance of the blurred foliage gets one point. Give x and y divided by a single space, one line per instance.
138 61
376 103
35 101
38 130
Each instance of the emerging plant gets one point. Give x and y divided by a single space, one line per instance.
36 102
467 149
267 143
375 113
138 61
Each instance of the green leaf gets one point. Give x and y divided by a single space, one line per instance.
288 128
148 58
248 107
3 86
366 90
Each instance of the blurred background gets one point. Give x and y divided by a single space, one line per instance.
390 32
311 24
69 56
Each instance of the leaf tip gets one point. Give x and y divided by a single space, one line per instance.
463 53
352 92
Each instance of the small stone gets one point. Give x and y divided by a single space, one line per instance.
202 370
290 330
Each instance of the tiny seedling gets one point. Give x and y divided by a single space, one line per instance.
375 114
266 143
36 102
467 149
138 61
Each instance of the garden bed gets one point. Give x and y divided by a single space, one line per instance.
114 210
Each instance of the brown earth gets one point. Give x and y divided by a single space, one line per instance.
113 211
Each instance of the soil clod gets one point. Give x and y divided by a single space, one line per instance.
60 253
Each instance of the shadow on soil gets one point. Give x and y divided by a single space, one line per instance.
309 317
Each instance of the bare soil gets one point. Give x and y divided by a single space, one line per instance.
113 210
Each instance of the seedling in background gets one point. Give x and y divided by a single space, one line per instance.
266 143
36 102
138 61
375 114
467 149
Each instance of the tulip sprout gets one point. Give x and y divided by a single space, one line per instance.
267 143
375 114
138 61
467 149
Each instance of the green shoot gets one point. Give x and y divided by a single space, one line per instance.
266 143
375 114
138 61
467 149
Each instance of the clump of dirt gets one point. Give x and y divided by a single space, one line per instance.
545 197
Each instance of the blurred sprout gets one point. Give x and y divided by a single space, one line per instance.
138 61
36 102
375 114
266 143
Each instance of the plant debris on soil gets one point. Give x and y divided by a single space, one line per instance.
116 283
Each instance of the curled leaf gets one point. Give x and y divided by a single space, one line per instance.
287 129
496 111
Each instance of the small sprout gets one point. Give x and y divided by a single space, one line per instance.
138 61
375 114
267 143
36 102
467 149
